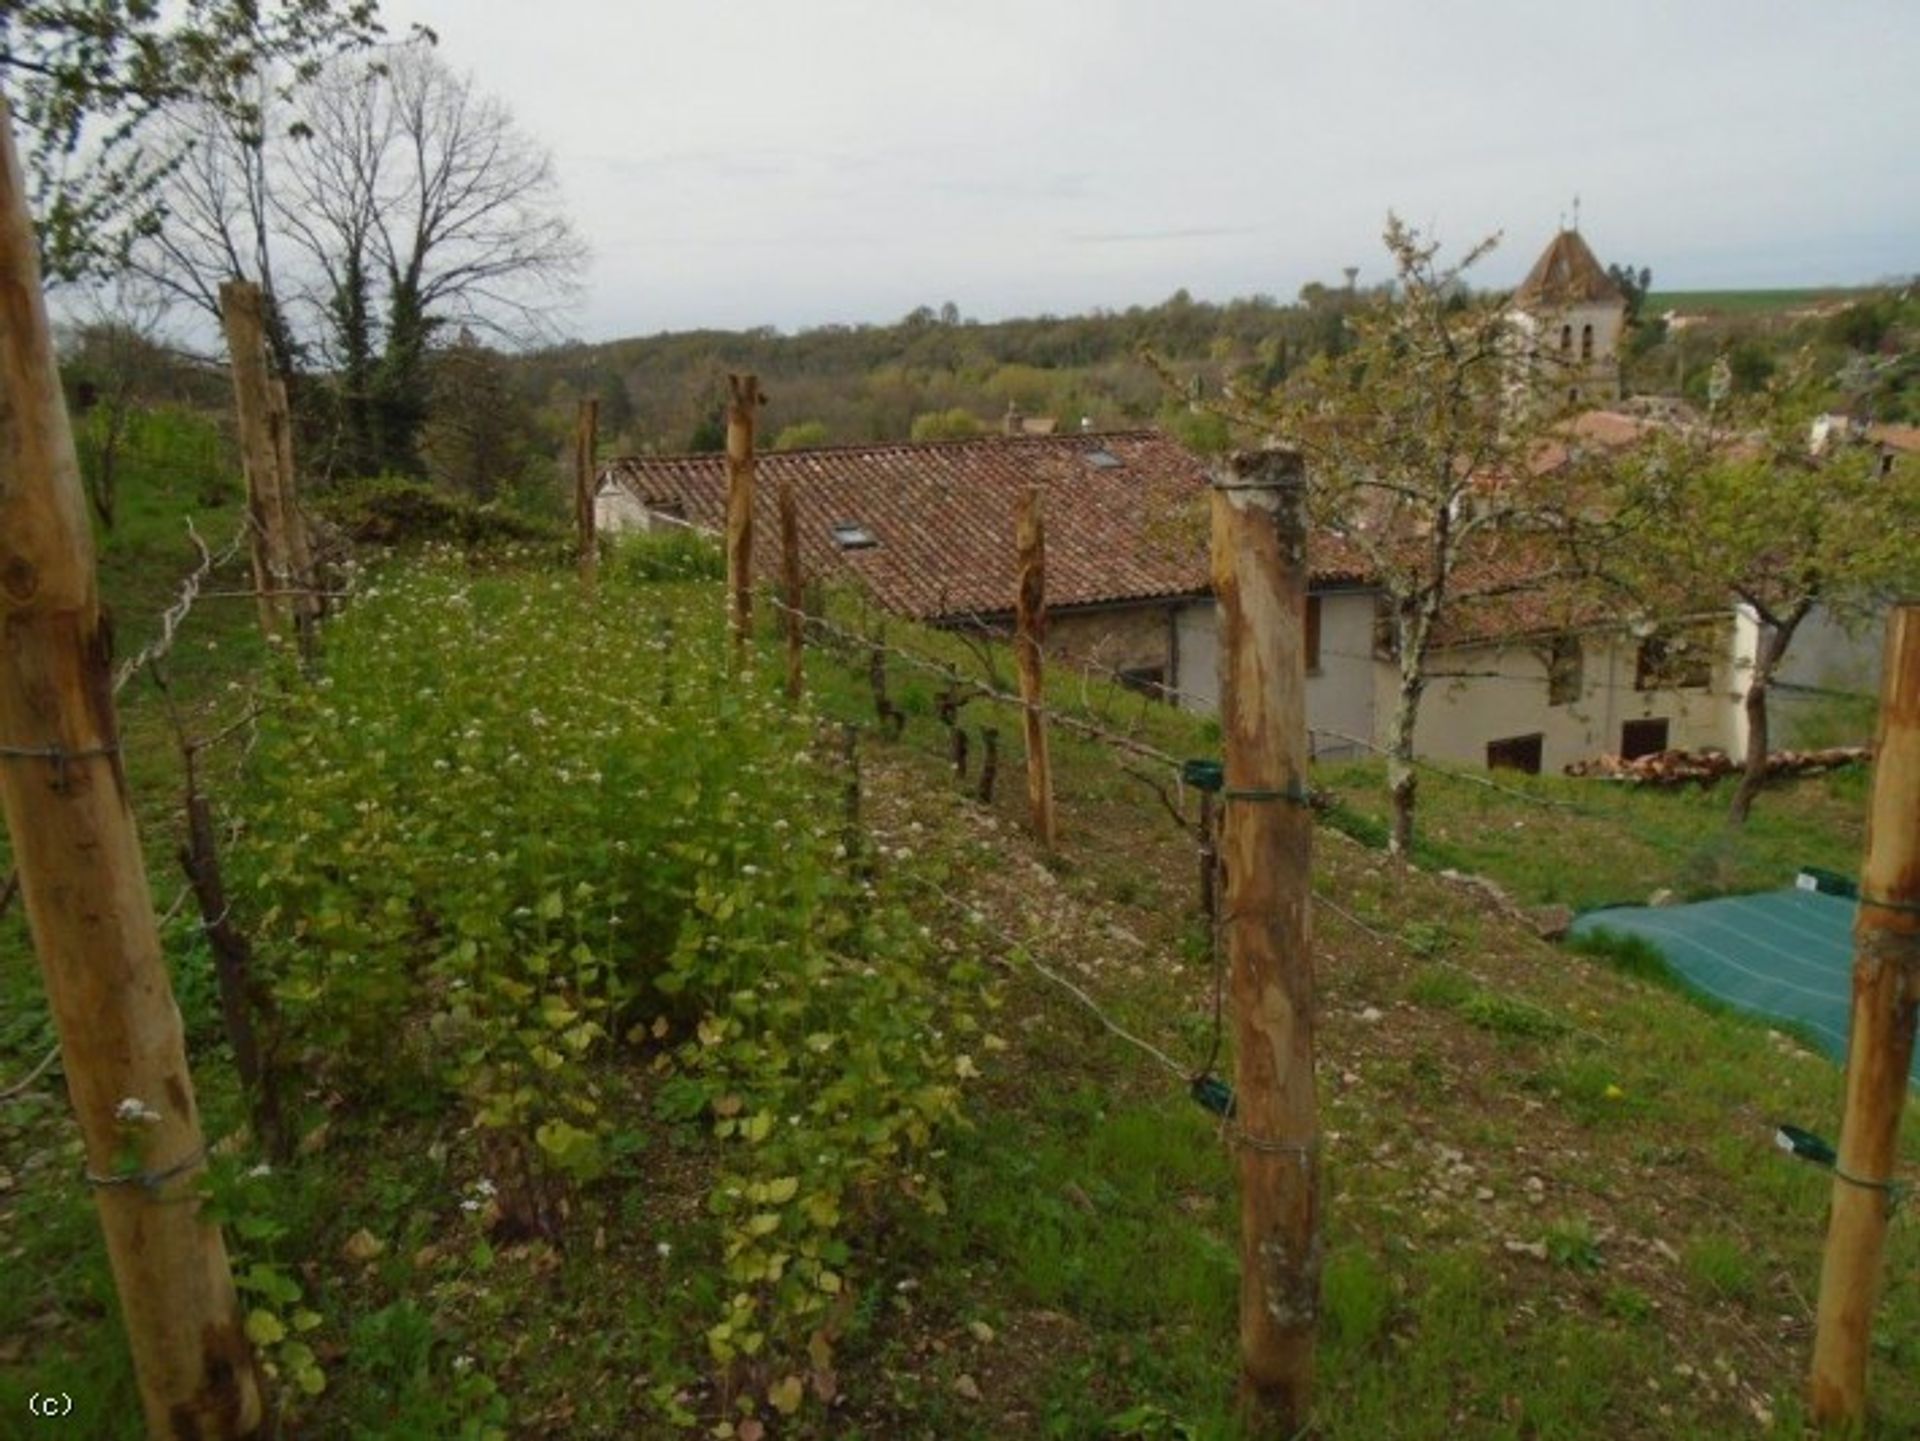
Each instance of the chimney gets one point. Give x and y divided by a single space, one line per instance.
1012 423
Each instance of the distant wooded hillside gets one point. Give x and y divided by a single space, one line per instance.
935 374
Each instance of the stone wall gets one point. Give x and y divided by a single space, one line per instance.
1125 638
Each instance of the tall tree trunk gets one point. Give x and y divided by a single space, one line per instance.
1411 629
1774 639
1403 783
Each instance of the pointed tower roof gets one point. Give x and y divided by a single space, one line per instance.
1566 274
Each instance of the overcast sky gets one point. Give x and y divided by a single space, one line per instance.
800 162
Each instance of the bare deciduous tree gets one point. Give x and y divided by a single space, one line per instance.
398 204
1424 440
417 183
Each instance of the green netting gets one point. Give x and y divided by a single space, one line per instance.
1784 955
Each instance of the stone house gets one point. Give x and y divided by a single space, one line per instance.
926 529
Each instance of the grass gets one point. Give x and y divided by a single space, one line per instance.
1631 840
1745 302
1480 1092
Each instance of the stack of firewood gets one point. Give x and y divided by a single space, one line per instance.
1703 767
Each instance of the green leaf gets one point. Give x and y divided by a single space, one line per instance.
264 1328
786 1394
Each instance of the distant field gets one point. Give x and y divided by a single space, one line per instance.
1744 302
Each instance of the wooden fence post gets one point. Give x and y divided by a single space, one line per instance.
586 447
793 591
1886 993
1259 578
242 313
64 790
743 398
1030 629
307 608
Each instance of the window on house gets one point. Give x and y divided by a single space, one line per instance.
1147 679
1586 342
849 535
1643 738
1516 753
1564 670
1675 660
1312 629
1566 338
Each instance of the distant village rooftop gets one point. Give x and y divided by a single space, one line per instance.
927 527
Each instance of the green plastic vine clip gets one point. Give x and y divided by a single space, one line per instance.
1203 774
1214 1095
1804 1144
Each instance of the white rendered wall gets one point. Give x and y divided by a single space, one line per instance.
615 508
1339 693
1460 715
1823 656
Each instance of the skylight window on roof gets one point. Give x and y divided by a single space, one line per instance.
1103 460
850 535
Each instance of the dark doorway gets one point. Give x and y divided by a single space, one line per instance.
1642 738
1515 753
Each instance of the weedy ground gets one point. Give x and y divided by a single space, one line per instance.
1554 1206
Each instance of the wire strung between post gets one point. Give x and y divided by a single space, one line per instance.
1387 938
951 674
60 756
175 615
148 1181
1221 1102
1025 948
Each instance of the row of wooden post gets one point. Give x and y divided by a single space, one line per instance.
586 448
744 400
1259 577
282 552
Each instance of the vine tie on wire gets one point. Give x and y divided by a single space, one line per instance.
1804 1145
60 756
148 1181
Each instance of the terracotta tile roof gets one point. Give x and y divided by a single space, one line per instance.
1511 594
1566 274
1897 437
1511 589
941 514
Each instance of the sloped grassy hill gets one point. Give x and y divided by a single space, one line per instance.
642 1093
